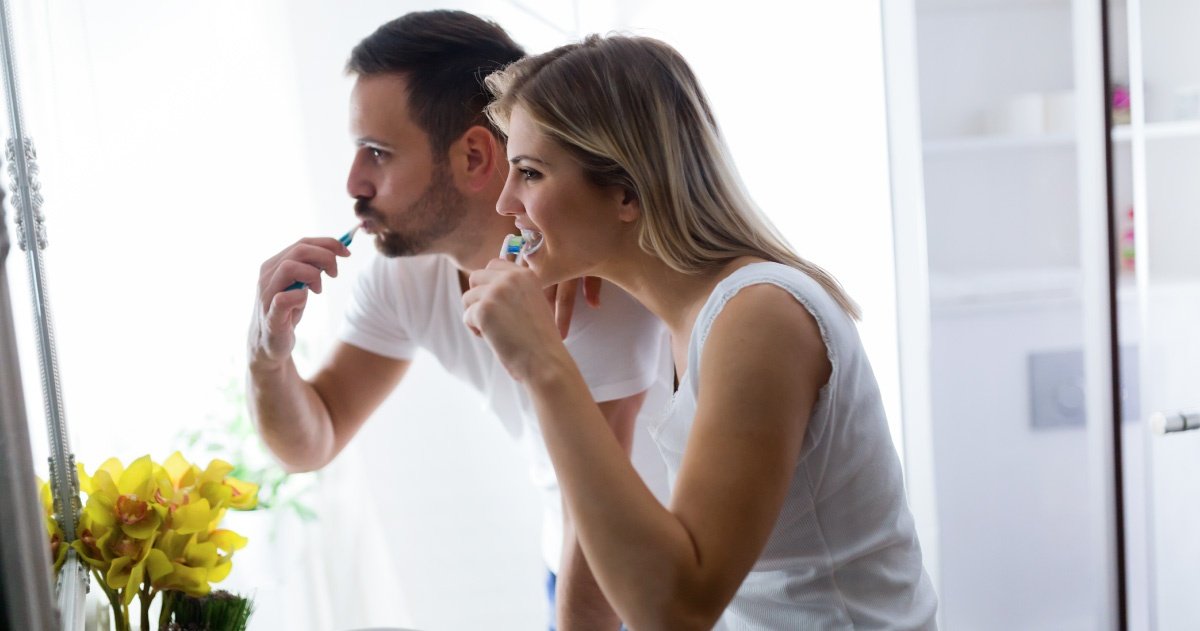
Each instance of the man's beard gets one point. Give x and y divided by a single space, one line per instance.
437 213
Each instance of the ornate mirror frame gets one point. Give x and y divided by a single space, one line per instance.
25 578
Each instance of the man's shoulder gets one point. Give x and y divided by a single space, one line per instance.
428 263
410 273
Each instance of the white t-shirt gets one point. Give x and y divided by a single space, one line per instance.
843 553
401 304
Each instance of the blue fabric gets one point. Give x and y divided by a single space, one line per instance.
551 582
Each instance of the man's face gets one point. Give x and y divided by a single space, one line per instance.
404 198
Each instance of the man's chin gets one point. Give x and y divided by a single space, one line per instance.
390 245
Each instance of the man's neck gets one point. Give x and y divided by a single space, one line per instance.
478 239
472 252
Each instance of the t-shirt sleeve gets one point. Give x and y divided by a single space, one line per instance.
374 321
620 347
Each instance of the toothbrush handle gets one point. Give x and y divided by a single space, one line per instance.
344 239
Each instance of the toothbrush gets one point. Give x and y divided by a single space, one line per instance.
344 239
514 245
518 245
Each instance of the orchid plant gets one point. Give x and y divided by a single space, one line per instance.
149 529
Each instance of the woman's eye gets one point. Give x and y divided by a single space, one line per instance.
529 174
375 153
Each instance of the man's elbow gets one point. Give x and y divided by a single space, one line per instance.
293 456
291 467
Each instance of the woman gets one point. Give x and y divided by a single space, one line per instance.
788 507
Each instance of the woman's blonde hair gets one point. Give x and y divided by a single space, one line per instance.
631 111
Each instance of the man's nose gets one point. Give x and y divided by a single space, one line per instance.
358 185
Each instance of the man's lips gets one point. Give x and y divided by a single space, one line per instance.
369 225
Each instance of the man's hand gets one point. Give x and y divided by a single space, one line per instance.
562 297
278 309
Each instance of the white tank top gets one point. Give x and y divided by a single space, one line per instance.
843 553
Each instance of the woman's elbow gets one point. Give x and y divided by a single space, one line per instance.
682 614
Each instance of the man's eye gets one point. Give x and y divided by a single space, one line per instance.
375 152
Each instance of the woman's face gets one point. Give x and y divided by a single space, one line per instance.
581 224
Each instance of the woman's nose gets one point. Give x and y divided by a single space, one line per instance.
508 204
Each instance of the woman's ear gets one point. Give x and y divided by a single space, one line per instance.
475 157
631 207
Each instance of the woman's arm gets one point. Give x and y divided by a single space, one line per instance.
677 568
580 603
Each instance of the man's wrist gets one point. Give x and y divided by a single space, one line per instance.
261 364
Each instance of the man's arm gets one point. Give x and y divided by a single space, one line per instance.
580 604
306 423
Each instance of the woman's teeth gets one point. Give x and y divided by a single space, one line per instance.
533 241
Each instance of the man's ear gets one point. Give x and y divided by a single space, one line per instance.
475 157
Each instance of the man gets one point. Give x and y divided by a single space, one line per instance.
426 175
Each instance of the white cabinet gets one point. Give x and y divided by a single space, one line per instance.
1002 204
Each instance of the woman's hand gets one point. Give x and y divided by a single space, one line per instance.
507 307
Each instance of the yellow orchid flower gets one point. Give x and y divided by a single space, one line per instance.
224 491
176 480
125 500
188 563
182 481
156 526
128 561
245 494
58 551
227 540
88 544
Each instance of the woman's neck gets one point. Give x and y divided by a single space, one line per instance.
675 297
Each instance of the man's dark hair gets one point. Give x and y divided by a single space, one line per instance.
444 56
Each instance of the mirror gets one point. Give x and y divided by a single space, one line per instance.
180 145
24 584
25 590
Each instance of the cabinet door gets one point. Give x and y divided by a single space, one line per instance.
1170 356
1015 499
1164 481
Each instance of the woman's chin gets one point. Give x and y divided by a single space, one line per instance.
548 273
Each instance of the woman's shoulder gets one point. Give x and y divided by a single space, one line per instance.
760 306
763 335
761 285
748 270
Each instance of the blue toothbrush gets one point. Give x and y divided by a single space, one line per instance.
345 239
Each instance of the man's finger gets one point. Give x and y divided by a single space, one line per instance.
564 305
591 290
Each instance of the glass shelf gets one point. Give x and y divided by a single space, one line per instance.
1120 133
982 143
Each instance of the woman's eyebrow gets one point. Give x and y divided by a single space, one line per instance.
516 159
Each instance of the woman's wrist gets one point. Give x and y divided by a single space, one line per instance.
551 370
